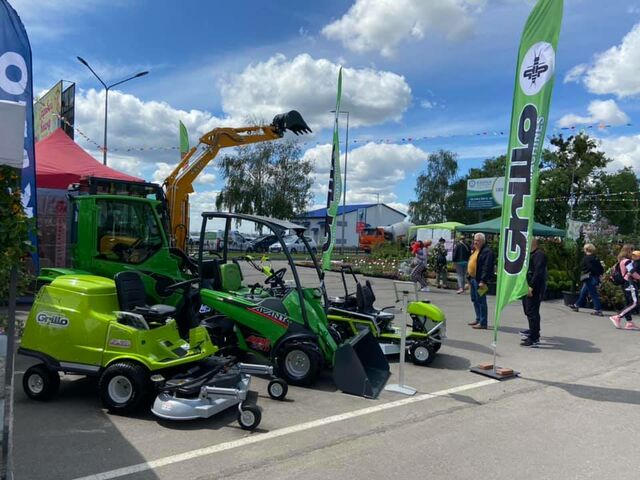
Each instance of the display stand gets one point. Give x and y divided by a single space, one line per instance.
403 288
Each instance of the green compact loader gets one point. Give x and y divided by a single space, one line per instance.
90 325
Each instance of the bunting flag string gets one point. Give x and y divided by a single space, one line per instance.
361 141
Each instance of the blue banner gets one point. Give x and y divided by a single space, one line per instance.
16 85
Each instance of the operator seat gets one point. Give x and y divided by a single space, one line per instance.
133 299
365 299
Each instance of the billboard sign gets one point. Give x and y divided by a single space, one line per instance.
47 111
484 193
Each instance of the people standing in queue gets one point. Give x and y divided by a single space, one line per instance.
481 269
460 257
537 282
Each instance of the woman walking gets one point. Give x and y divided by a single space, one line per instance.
420 262
592 270
630 276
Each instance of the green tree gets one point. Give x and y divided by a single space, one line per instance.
619 200
268 178
575 160
433 187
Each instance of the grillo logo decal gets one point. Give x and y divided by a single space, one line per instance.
538 67
52 320
521 164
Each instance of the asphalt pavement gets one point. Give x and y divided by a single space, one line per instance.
572 414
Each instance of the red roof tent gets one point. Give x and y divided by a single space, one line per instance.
60 161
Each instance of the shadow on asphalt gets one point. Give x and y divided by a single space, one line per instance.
599 394
464 345
445 361
75 436
566 344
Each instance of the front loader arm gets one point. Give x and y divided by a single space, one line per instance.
179 184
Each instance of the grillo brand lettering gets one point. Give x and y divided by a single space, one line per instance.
515 245
52 320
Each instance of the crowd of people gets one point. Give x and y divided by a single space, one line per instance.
475 268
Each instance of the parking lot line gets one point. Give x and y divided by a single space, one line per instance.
256 438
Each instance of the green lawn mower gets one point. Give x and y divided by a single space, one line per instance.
90 325
355 311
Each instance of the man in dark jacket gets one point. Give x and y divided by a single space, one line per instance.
460 258
537 281
481 270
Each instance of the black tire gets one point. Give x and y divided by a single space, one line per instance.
249 417
40 383
299 363
277 389
438 344
125 387
422 353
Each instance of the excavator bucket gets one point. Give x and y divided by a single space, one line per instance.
359 367
292 121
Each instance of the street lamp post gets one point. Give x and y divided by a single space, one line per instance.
106 100
344 189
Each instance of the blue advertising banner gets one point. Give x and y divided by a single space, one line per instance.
16 85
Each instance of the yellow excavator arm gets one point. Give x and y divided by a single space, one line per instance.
179 184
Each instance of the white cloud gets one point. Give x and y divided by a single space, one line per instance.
143 133
384 24
614 71
624 150
162 171
309 86
576 73
427 104
124 163
372 170
201 201
206 178
600 111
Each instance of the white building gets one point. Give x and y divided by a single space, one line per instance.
367 214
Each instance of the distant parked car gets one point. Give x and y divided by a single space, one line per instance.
294 245
261 244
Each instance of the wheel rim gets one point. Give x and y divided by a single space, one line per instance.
276 389
421 353
35 383
298 363
120 389
247 418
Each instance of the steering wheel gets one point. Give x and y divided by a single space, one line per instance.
179 285
187 262
276 279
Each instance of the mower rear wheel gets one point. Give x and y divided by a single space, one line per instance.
249 417
124 387
438 344
422 353
40 383
299 364
277 389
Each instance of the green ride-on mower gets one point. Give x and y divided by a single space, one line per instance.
90 325
279 320
355 311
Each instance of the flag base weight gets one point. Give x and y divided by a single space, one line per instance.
495 372
404 389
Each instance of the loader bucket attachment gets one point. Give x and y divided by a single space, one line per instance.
359 367
292 121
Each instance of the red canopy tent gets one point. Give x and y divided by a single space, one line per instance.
60 161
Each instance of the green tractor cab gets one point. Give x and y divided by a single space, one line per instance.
90 325
354 312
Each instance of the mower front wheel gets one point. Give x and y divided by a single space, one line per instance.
277 389
299 364
40 383
249 417
422 353
124 387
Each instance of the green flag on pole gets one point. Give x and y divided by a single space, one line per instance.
335 184
184 140
529 118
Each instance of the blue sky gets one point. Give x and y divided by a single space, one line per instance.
442 69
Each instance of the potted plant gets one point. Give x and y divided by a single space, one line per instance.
573 253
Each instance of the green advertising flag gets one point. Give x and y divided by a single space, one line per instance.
532 94
184 140
335 184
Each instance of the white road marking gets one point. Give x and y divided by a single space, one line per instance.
201 452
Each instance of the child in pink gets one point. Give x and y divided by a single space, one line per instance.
631 277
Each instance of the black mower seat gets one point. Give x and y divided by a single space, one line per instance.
365 299
132 298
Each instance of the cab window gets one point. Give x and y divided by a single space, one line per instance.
127 231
